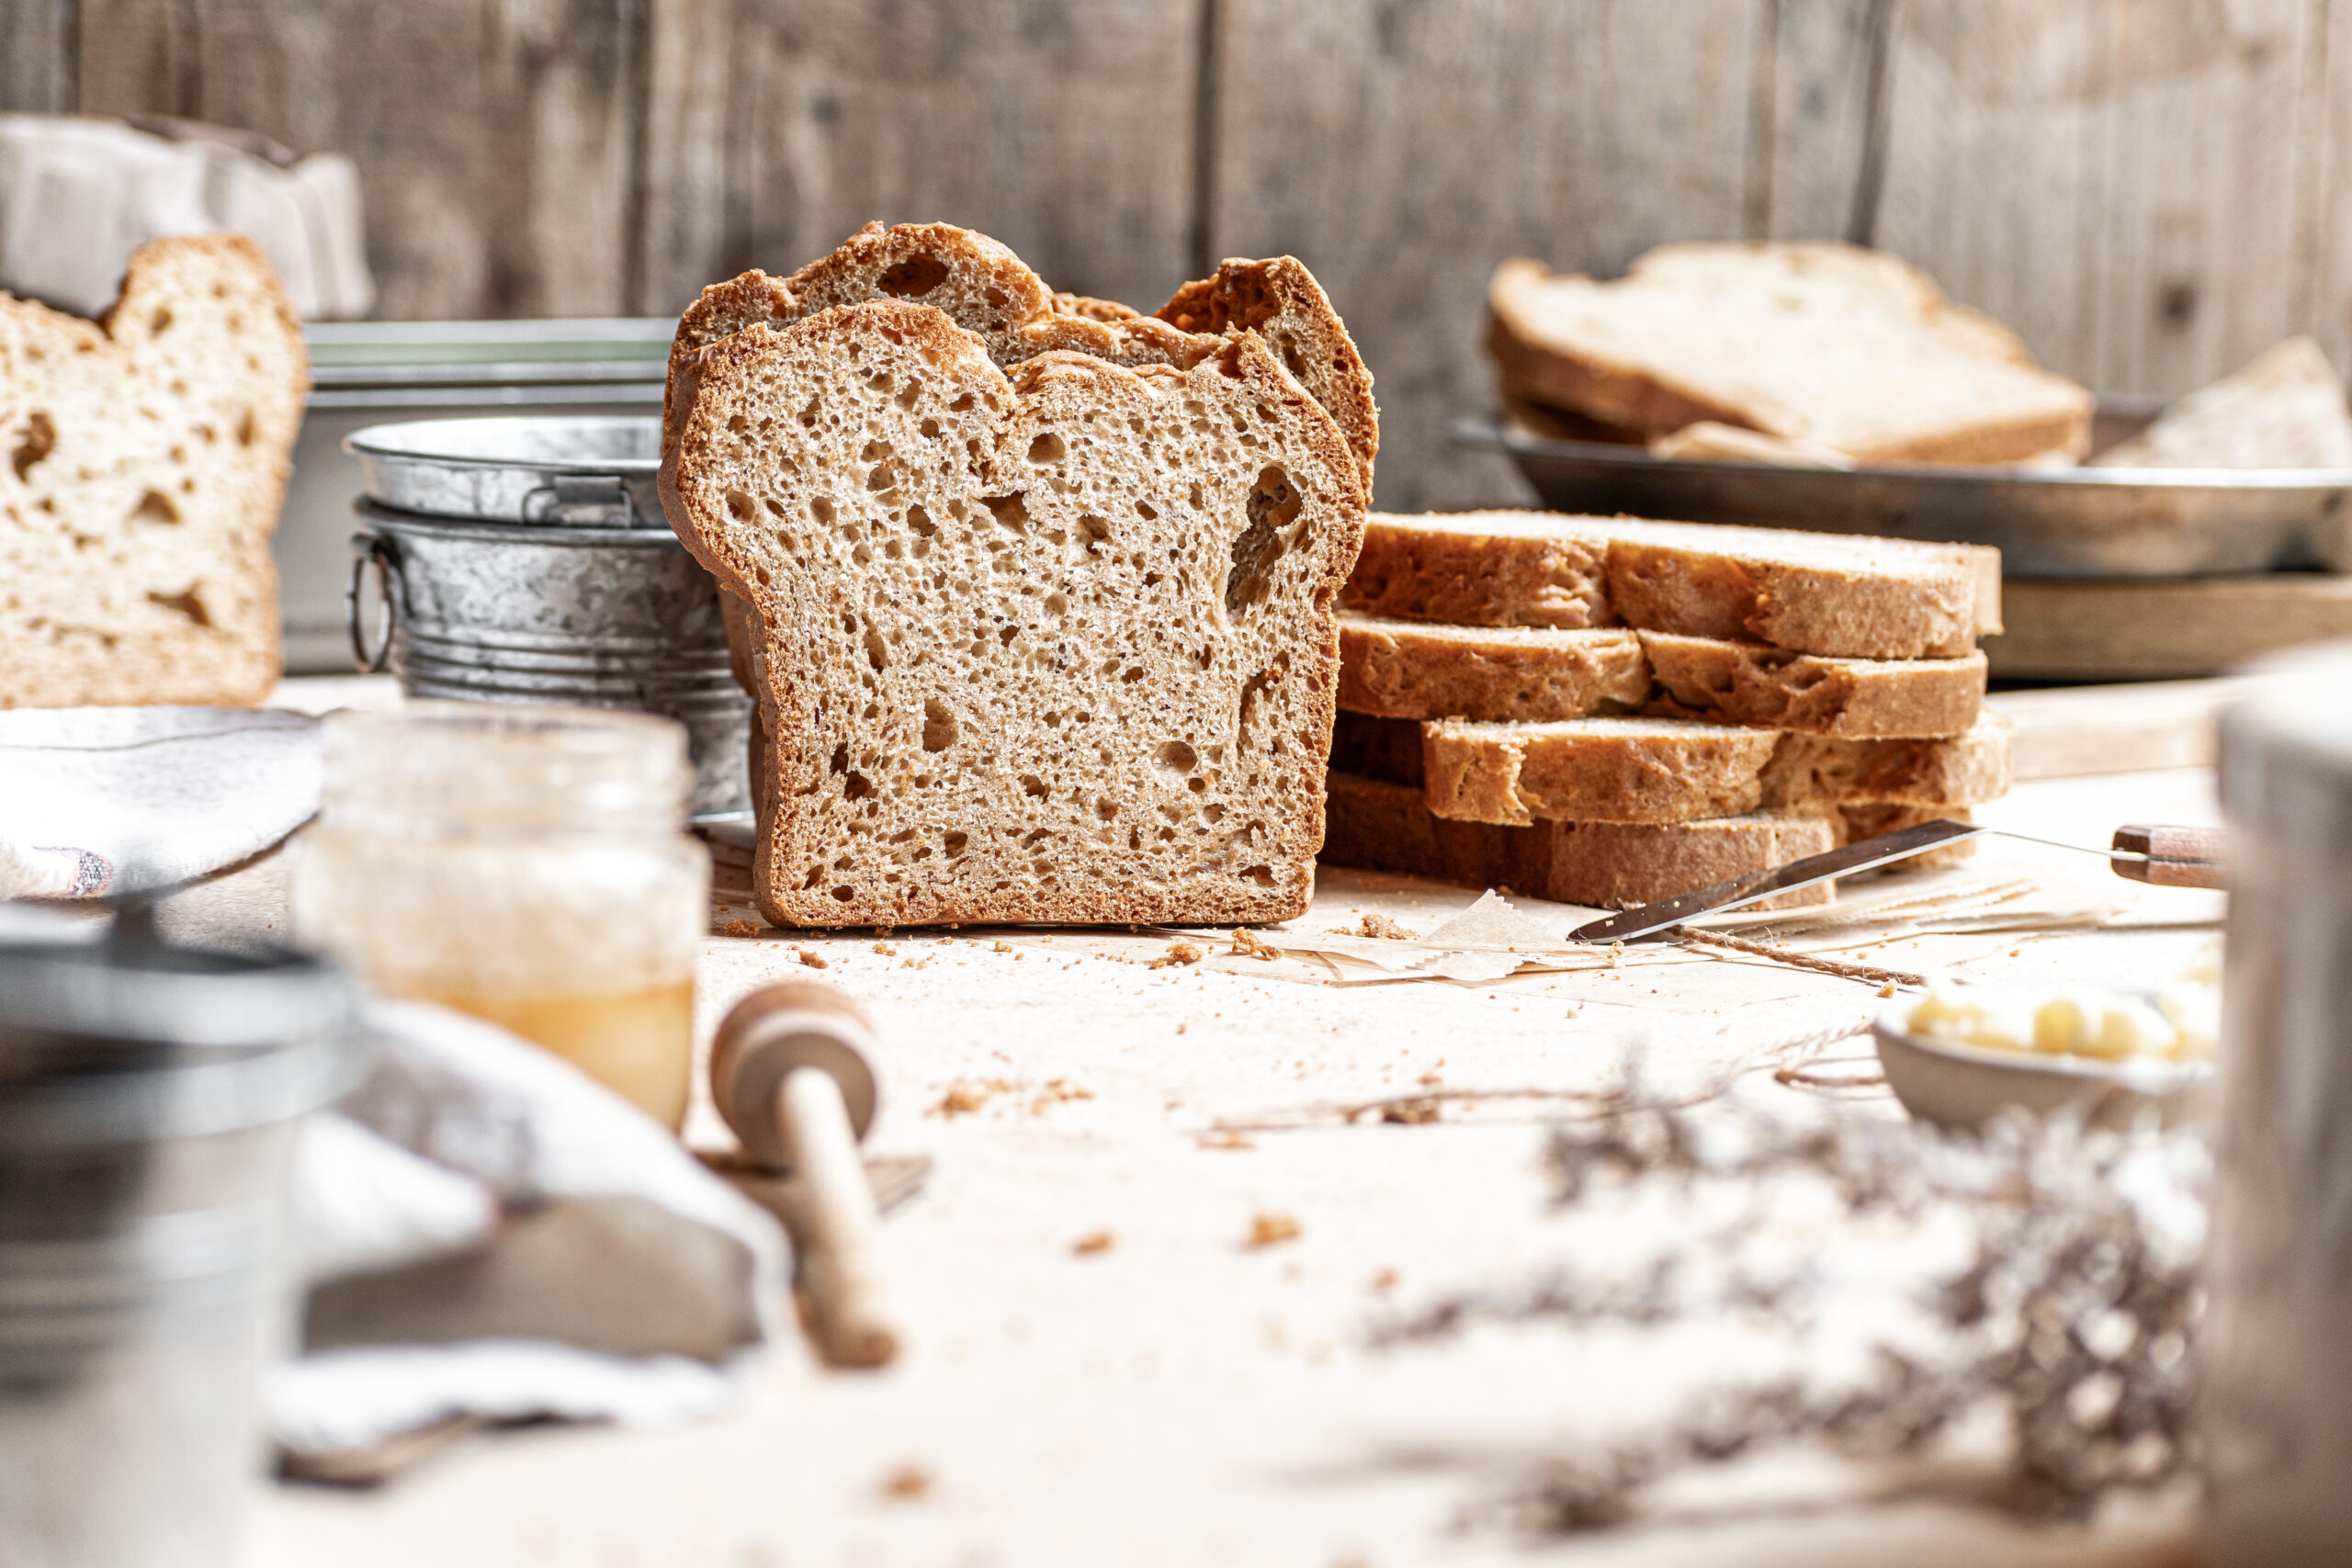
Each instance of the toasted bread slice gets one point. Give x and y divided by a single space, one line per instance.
1818 343
147 456
1393 669
1840 594
1055 648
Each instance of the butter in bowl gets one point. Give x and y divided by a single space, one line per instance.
1959 1054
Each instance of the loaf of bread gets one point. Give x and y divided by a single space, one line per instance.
1395 669
1059 645
1379 826
1663 769
990 292
147 457
1821 344
1839 594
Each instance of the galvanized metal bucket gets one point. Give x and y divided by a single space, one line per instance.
525 560
149 1100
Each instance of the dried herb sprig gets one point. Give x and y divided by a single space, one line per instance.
2074 1309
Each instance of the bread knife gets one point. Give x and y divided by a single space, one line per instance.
2166 857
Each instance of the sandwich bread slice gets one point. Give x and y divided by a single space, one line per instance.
1821 344
145 461
1057 646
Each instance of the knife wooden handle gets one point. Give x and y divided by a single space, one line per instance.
2184 857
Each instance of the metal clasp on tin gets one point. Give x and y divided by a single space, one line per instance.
596 501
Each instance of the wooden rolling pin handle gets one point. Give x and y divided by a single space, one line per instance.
844 1279
2183 857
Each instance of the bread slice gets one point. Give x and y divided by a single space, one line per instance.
1744 682
1660 770
1055 648
2285 410
147 456
991 292
1819 343
1387 827
1840 594
1395 669
1421 670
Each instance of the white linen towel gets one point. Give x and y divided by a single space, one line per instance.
103 802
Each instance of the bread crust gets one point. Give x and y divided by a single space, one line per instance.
729 489
1834 594
149 455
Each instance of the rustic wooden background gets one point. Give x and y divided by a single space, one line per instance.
2145 188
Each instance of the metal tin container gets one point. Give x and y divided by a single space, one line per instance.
148 1098
364 373
527 560
2046 522
2277 1346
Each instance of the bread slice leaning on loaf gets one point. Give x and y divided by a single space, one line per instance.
1818 343
1057 647
992 293
145 462
1843 595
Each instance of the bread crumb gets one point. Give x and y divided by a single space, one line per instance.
1413 1112
1225 1140
1180 1028
1270 1230
1616 953
907 1484
961 1100
1178 952
1887 989
1383 926
1384 1281
1431 1077
1002 946
744 927
1246 945
886 950
1091 1245
809 958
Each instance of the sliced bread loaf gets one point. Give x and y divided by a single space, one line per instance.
1840 594
1057 648
1395 669
2285 410
147 455
1661 770
1386 826
1818 343
991 292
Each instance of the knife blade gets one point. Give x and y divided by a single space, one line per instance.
2166 857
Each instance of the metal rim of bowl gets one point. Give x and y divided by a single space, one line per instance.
372 441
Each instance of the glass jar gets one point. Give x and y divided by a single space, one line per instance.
526 864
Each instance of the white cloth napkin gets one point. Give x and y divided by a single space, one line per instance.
99 802
461 1133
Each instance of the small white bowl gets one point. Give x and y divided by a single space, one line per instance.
1965 1086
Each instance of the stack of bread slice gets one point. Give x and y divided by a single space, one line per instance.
1610 712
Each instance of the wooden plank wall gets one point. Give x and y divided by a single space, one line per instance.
2145 188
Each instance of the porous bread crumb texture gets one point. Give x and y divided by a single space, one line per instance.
1060 647
990 291
145 462
1836 595
1396 669
1815 342
1379 826
1660 771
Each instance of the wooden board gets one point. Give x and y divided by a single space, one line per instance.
775 129
2155 628
2072 731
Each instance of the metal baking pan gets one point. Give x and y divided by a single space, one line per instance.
2049 523
580 473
